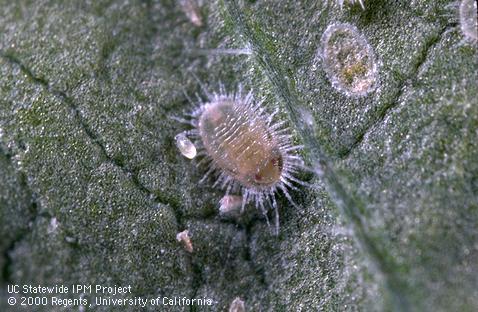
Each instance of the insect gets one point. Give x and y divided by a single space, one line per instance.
348 60
246 149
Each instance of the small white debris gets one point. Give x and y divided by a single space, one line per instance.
185 146
52 226
237 305
191 9
226 51
70 240
230 204
352 2
183 237
307 118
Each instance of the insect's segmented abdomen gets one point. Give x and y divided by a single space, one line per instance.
239 143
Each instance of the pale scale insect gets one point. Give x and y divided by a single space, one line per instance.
349 60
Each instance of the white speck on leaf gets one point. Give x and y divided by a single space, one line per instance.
183 237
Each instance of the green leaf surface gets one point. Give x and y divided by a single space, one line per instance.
93 190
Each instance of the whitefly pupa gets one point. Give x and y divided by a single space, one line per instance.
250 153
349 60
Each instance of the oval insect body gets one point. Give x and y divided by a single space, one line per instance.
248 151
349 60
240 144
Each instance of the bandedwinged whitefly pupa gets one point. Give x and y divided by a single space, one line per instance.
250 153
